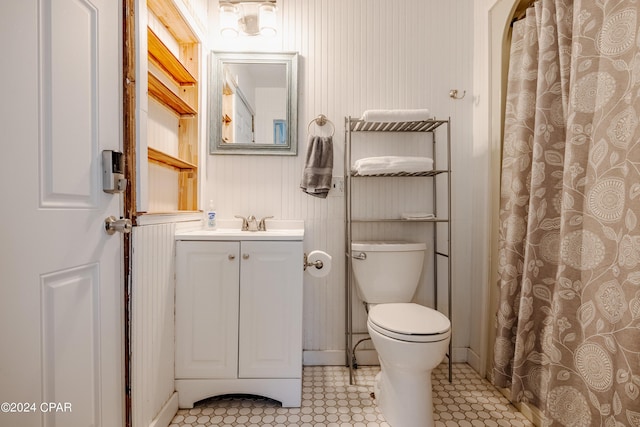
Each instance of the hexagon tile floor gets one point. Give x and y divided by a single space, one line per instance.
329 401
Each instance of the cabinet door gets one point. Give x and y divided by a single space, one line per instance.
271 310
207 278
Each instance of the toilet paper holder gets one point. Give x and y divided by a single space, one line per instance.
317 264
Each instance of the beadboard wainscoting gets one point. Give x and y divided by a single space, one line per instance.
152 330
357 55
152 323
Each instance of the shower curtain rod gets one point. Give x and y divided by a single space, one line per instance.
521 12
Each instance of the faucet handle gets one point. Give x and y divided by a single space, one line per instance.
245 223
262 226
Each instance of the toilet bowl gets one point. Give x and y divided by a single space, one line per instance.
411 339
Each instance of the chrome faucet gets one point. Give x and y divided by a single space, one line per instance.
252 224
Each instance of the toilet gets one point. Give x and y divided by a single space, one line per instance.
411 339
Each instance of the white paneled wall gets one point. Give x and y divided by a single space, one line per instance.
357 55
198 12
152 324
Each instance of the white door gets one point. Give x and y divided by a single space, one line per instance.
207 293
270 310
61 310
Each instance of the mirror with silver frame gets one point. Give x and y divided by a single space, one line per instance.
253 103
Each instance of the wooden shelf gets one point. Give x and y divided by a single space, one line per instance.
169 160
168 14
162 93
173 82
160 54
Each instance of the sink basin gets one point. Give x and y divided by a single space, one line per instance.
276 230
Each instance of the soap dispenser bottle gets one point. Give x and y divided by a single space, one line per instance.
210 218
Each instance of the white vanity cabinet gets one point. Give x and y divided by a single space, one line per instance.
238 317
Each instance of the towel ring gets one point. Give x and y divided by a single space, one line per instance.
321 120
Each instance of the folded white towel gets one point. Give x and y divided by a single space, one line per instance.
396 115
409 161
392 164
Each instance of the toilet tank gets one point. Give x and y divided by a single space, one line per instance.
387 271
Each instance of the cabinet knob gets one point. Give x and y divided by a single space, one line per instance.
245 256
232 257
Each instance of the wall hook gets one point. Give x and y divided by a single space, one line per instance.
453 93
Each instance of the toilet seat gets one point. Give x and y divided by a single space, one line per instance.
409 322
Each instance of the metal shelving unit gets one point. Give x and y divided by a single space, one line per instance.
354 125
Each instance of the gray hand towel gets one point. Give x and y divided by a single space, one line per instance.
316 177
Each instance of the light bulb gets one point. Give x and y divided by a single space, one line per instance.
228 20
267 12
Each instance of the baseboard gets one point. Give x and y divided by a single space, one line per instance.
365 357
473 359
460 355
166 414
532 413
324 358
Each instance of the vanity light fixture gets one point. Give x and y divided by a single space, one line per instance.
248 17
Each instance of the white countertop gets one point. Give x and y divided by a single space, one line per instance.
230 230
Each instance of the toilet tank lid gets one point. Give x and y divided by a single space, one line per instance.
387 246
409 319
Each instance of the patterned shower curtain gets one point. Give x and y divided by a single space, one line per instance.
568 323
